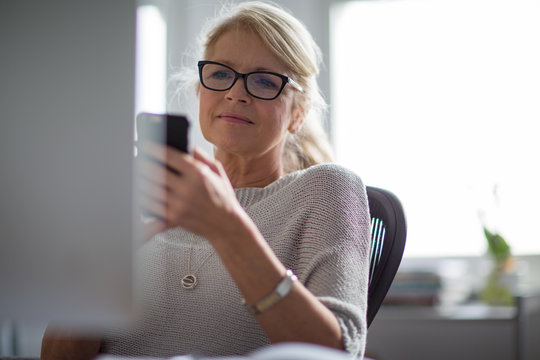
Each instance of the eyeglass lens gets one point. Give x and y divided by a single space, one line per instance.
263 85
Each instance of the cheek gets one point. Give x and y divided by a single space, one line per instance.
286 114
203 100
207 102
275 116
205 109
277 124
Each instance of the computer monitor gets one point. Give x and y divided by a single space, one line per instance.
67 73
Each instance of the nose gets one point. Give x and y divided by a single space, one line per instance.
238 92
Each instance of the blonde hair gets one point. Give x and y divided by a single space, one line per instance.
289 40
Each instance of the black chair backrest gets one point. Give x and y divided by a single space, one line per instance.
388 234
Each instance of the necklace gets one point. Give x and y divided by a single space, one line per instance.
190 280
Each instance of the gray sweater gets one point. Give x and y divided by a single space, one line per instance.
316 221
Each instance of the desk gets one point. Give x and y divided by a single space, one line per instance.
473 331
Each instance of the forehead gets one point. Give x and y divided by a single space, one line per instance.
244 51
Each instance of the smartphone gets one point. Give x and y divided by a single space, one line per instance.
167 129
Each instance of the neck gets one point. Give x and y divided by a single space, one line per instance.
244 172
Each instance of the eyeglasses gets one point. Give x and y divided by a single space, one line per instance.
263 85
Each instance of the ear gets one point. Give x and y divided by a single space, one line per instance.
299 114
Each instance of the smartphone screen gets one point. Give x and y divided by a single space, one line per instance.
168 129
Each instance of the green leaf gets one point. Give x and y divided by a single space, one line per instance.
497 246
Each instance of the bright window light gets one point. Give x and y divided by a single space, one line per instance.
439 102
151 60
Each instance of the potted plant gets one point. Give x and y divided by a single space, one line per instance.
497 291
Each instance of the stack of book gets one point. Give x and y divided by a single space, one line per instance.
414 288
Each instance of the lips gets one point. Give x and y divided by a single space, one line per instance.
235 118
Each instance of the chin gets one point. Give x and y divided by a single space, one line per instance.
227 146
229 143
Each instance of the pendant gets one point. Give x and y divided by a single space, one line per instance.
189 281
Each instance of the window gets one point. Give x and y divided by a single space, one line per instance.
439 102
151 60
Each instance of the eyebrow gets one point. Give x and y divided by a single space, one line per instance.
228 63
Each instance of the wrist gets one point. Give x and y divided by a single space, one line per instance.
282 290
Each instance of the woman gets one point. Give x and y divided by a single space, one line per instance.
239 230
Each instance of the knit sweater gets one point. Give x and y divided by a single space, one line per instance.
317 223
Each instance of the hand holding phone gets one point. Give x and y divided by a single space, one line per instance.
165 129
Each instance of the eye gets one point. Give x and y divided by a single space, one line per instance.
268 81
220 75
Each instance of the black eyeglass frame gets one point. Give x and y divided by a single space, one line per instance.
285 79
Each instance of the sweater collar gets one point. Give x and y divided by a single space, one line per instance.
251 195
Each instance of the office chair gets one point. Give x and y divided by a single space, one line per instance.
388 233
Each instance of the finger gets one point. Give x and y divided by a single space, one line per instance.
152 190
200 155
165 155
154 207
221 170
151 171
152 149
158 173
148 165
176 161
215 165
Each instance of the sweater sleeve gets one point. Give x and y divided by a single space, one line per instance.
335 249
